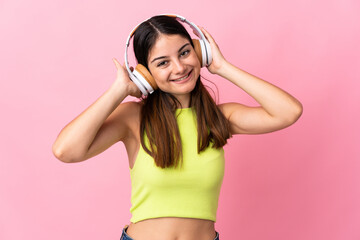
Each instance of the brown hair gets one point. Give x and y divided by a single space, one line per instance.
158 120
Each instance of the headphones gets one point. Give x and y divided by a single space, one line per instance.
143 78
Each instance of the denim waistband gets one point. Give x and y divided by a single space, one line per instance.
124 235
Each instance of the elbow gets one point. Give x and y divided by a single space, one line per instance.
63 155
294 114
298 110
59 154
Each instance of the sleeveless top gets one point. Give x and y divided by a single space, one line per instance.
190 191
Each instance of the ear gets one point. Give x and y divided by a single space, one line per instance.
197 49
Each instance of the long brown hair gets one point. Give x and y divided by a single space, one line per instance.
158 120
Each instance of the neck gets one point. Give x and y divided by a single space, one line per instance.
184 100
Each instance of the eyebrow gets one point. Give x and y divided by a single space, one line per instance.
165 56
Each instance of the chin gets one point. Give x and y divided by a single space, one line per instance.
187 88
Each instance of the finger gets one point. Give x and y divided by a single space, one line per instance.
117 64
196 33
138 94
207 35
123 69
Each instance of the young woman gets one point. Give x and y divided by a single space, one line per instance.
174 136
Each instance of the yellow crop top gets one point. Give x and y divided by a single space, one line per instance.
190 192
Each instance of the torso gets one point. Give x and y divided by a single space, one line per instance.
164 228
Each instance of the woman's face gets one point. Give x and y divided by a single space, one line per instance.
174 65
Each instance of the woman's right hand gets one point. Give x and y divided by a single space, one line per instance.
123 80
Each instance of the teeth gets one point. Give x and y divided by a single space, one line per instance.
181 78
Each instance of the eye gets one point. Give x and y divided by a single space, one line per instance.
184 53
161 63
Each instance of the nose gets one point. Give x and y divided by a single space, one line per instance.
178 67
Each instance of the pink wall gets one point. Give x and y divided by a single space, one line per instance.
298 183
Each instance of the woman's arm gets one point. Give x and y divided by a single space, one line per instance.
277 109
100 125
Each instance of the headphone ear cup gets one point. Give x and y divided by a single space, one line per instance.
197 48
146 77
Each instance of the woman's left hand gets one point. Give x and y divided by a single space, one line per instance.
218 59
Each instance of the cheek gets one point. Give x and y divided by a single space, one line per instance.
157 74
196 63
161 77
197 69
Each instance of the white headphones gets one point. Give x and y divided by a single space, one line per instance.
142 77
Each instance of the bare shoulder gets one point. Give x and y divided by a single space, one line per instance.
129 109
123 122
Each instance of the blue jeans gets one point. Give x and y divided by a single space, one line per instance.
124 235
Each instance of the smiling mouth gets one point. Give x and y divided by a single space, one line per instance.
180 79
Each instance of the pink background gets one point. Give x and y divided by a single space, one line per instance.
299 183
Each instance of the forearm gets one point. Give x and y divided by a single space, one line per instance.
275 101
76 137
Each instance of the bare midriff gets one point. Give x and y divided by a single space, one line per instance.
172 228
